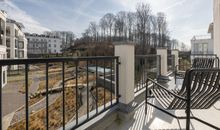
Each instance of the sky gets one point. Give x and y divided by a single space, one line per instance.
186 18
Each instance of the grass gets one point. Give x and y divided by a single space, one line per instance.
51 83
37 120
22 88
101 95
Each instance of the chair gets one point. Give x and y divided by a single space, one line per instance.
200 90
200 62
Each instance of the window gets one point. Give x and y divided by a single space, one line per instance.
49 45
54 45
8 53
8 42
21 45
205 48
196 47
16 43
54 40
16 53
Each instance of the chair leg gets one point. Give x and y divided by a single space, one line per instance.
187 119
146 107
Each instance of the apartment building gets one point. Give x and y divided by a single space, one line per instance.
67 37
3 53
203 44
216 27
15 40
43 44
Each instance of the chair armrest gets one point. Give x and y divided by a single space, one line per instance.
162 87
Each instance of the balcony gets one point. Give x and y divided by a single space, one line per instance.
96 92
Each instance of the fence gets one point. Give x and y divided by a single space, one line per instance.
146 65
170 63
80 85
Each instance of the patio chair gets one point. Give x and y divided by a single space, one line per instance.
197 63
200 90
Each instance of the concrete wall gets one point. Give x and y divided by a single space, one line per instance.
217 27
163 55
126 71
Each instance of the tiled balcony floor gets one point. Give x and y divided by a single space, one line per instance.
157 120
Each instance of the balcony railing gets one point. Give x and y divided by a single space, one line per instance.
146 65
170 63
89 79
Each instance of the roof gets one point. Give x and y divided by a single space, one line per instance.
20 25
201 37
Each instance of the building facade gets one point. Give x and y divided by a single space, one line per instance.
3 54
67 37
216 27
203 44
15 40
43 44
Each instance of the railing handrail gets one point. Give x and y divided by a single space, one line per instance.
4 62
149 55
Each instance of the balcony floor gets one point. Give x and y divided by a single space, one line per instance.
157 120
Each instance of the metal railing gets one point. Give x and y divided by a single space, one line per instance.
170 63
146 65
97 75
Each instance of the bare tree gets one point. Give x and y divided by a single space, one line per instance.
162 28
130 24
120 24
110 19
93 28
103 25
143 16
154 28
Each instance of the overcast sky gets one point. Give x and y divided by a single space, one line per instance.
186 18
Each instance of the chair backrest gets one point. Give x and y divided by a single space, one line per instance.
204 62
204 88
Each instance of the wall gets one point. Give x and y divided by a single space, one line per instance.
44 44
3 55
217 27
200 41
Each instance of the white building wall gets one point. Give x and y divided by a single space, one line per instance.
217 27
54 45
3 53
196 43
19 38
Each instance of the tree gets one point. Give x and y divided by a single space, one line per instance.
162 28
130 24
143 12
93 29
109 21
